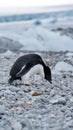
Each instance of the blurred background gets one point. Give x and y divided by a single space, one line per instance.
36 25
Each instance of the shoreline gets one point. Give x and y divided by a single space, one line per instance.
28 23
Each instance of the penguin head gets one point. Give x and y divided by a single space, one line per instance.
48 76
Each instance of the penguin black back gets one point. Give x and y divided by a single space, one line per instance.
23 64
31 59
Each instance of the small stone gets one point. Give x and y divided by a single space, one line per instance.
64 76
26 104
53 116
35 94
68 113
58 101
0 117
70 123
16 125
68 118
8 91
7 127
18 103
71 99
63 109
53 93
2 109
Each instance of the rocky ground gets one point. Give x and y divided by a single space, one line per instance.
41 106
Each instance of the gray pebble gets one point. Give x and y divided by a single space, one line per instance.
58 101
16 125
2 109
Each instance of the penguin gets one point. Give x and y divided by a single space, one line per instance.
29 64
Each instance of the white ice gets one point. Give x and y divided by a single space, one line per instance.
36 38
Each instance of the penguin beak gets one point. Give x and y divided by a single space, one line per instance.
50 81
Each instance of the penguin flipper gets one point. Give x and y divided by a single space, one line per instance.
24 70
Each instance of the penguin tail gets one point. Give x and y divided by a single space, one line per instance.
13 78
10 80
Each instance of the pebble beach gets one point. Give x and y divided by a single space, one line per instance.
41 106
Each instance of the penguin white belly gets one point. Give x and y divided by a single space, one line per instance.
37 69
